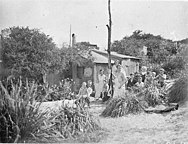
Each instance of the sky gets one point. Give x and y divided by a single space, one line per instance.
88 18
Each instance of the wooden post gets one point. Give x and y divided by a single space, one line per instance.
1 61
109 27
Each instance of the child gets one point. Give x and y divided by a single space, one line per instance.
148 79
139 85
83 95
161 78
90 91
105 96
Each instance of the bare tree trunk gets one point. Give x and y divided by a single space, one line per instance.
1 62
109 27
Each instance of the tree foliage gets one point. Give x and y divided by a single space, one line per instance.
79 54
158 48
177 63
29 52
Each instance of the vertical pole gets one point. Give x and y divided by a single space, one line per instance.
1 62
73 65
70 37
109 27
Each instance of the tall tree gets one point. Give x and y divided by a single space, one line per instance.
158 48
29 52
109 27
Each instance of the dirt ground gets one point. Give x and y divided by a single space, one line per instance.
169 128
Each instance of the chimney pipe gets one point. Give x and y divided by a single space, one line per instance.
73 40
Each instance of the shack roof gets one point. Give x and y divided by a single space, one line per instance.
115 54
98 58
102 56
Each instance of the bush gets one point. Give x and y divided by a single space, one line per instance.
175 66
179 91
22 120
67 123
18 117
57 92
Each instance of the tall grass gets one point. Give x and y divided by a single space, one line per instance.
67 123
21 118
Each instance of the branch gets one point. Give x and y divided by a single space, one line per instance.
108 27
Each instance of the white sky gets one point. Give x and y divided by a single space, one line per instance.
88 18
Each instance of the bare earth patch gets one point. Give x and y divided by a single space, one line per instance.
145 128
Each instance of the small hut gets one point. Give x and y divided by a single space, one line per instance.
100 61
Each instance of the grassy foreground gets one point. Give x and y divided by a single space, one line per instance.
22 121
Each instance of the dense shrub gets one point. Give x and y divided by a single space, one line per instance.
18 117
179 91
174 66
57 92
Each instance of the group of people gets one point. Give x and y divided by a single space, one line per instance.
121 83
145 79
85 93
118 78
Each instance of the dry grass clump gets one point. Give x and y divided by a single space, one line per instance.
152 96
67 123
115 108
133 102
121 106
179 91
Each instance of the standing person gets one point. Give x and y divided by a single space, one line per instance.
119 83
161 77
114 68
101 79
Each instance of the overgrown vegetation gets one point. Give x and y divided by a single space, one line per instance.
18 117
57 92
67 123
22 119
134 102
122 106
160 51
179 91
32 54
